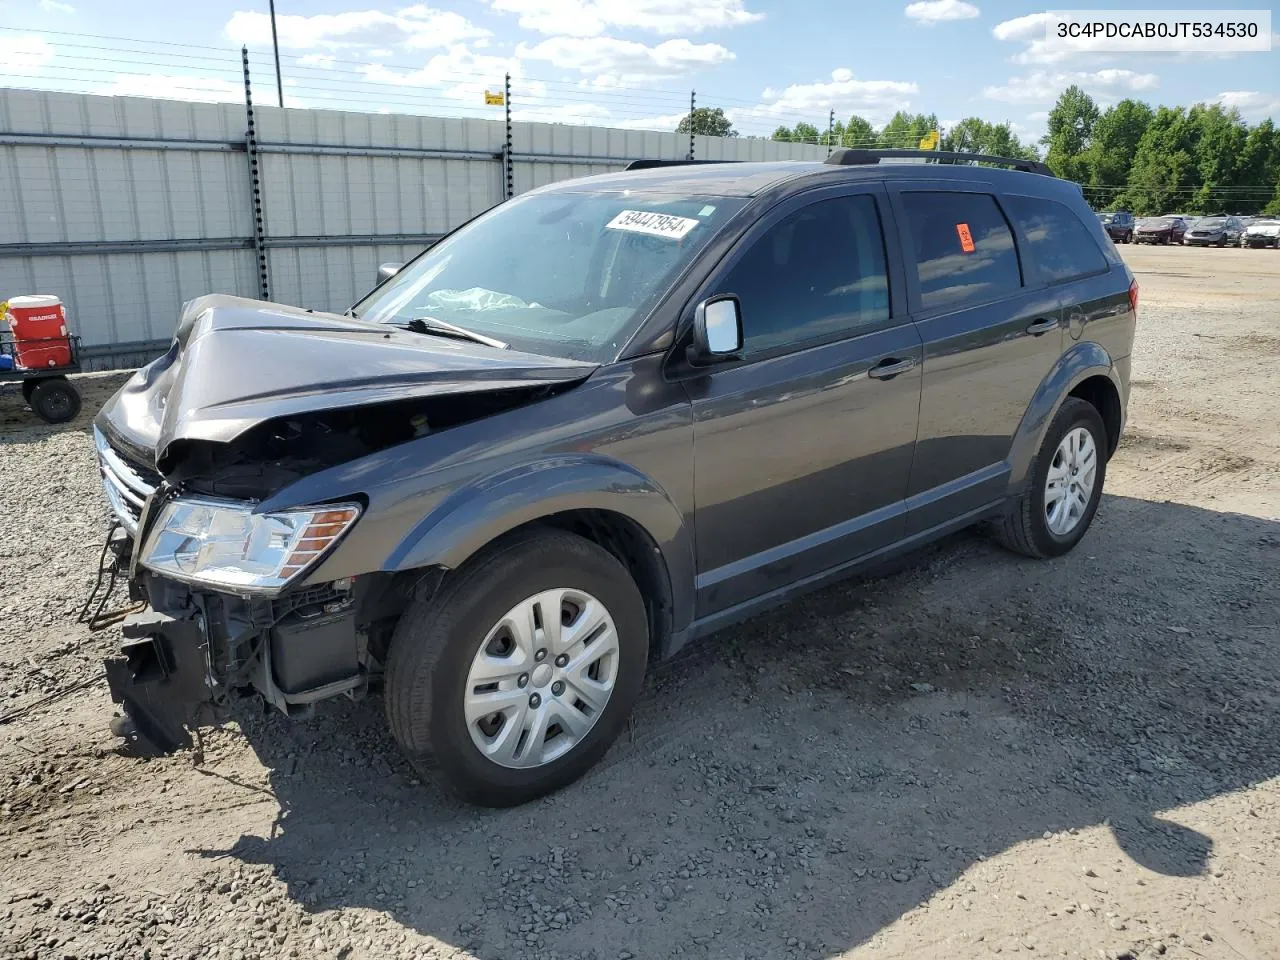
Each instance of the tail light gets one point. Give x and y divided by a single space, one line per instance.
1133 295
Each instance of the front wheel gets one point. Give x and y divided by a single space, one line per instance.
517 676
1053 513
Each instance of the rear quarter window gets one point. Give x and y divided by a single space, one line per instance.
963 248
1059 245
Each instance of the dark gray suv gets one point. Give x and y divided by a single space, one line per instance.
597 422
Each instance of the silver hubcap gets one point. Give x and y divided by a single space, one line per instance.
541 678
1069 486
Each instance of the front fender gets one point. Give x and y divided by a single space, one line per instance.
477 514
1085 359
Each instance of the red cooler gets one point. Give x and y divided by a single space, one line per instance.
40 336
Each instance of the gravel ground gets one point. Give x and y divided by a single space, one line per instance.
973 754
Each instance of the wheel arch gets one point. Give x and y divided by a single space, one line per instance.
1086 371
604 501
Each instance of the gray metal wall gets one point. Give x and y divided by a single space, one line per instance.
127 207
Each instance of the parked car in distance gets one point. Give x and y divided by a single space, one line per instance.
1119 225
1160 230
595 423
1263 232
1214 232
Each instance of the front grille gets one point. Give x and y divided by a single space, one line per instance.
127 483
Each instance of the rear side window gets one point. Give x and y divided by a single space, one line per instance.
1057 242
815 274
963 248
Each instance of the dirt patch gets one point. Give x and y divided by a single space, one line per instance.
970 754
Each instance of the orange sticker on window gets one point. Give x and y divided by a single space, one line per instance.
966 238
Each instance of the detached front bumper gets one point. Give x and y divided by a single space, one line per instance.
1260 241
161 680
184 659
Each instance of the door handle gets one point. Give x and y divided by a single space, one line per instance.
890 367
1043 326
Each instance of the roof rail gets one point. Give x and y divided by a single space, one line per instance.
650 164
848 157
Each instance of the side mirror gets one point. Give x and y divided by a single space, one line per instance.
717 331
388 270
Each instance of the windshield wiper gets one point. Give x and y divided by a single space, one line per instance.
442 328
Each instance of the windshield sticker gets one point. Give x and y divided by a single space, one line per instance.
966 238
654 224
706 211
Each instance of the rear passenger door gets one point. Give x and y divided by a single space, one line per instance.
991 334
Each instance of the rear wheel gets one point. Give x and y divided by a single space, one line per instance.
517 676
54 400
1053 513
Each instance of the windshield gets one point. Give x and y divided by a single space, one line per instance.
1158 222
565 274
1211 223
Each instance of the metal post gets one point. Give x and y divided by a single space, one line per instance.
693 104
831 131
255 184
275 46
509 163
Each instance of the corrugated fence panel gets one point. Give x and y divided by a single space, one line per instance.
127 228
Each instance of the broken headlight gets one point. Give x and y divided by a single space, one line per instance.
223 543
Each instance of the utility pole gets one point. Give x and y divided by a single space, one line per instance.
275 46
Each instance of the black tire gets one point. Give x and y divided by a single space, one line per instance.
55 400
1025 529
27 387
437 639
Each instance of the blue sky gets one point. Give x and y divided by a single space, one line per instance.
615 62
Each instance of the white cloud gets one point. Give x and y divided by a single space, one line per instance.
1030 27
877 100
666 123
417 26
317 60
1252 104
627 60
930 12
27 54
53 6
1043 86
458 74
589 18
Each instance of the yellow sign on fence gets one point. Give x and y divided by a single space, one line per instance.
929 141
493 99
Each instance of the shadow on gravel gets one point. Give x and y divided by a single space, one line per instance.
800 782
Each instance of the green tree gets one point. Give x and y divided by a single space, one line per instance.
1219 138
858 132
1260 164
904 131
783 133
707 122
1164 173
975 135
1070 126
804 133
1114 142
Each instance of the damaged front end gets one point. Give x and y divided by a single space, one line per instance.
250 399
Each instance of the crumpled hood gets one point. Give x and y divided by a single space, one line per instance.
235 363
1264 230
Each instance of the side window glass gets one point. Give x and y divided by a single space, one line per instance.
816 273
1057 242
963 248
